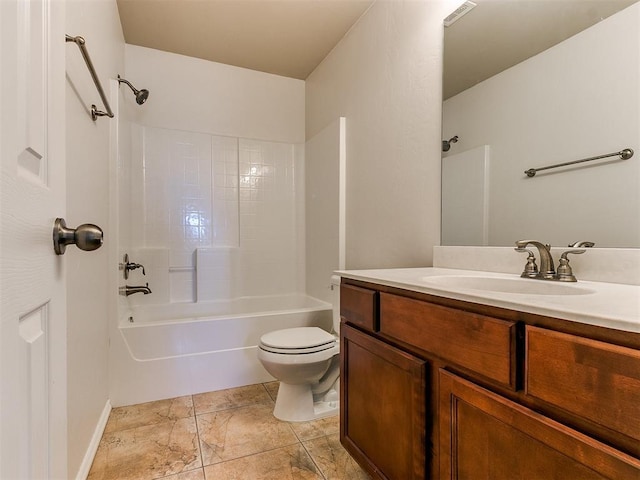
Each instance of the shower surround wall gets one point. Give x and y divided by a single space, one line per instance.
216 180
215 217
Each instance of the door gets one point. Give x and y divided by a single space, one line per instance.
486 436
383 398
32 305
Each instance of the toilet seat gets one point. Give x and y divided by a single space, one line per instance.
297 341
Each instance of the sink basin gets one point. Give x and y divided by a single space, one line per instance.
518 285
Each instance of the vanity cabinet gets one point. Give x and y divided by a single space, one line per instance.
439 388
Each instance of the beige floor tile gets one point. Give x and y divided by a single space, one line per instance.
316 428
334 461
287 463
190 475
122 418
272 388
148 452
236 432
233 433
231 398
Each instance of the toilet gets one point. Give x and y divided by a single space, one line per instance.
306 361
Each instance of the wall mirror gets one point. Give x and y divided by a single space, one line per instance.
530 84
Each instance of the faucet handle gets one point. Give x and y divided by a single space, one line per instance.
564 272
582 243
126 266
530 269
133 266
574 252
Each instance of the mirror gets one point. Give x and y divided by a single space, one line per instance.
530 84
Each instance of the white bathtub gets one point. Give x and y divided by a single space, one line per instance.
181 349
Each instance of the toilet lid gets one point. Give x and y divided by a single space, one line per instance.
297 338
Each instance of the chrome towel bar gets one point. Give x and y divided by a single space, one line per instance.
623 154
95 113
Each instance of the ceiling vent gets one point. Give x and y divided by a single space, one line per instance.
458 13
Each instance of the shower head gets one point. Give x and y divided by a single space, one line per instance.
446 144
141 95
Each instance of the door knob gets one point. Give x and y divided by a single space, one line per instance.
86 237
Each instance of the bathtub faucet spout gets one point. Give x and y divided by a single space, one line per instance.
131 289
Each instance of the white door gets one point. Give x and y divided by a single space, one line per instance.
33 439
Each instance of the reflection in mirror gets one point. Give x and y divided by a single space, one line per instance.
554 103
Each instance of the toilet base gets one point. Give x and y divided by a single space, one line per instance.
294 403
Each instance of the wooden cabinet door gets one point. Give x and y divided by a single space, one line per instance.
383 400
485 436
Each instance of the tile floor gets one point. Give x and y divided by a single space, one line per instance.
224 435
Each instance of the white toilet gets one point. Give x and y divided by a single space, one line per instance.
306 361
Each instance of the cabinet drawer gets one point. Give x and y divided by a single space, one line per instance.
482 344
592 379
359 306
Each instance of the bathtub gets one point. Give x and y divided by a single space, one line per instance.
165 351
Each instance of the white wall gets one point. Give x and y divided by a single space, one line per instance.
385 77
200 96
576 100
324 208
90 280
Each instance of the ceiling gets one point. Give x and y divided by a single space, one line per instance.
498 34
291 37
283 37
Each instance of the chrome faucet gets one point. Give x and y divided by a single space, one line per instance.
547 269
127 290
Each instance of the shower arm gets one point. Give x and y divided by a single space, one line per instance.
124 80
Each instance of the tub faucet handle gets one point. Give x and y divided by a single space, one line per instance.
133 266
127 266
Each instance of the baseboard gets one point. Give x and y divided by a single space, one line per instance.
89 455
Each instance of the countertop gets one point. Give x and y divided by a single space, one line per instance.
609 305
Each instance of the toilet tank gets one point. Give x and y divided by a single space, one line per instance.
335 301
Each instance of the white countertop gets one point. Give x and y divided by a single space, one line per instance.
609 305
